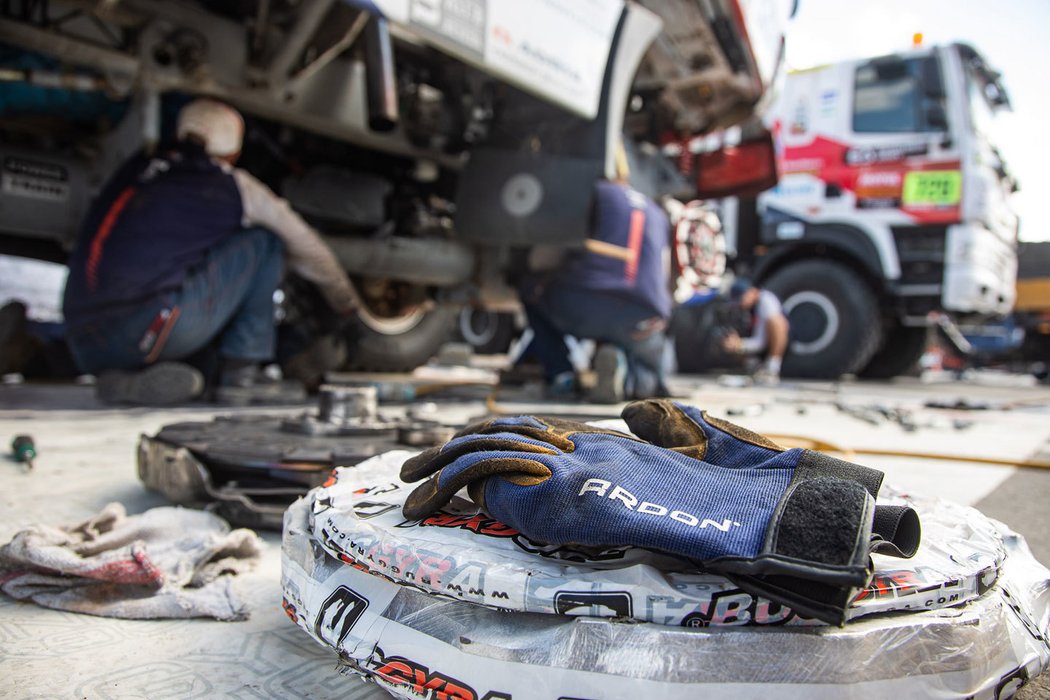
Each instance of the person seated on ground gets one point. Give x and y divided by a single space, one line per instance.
182 252
616 292
769 328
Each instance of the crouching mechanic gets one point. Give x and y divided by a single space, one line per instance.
615 291
182 252
769 328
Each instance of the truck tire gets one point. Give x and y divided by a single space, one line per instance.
397 344
834 319
900 352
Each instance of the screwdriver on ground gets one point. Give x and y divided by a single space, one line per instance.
24 449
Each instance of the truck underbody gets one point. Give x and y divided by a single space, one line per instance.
435 177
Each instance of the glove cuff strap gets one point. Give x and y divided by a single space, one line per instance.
823 523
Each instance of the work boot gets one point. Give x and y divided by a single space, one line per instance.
765 377
162 384
610 366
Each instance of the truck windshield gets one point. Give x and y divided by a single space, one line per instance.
888 97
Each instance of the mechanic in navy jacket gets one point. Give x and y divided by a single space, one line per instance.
180 251
615 291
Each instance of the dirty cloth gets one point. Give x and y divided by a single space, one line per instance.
165 563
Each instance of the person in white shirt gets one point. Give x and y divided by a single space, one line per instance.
769 328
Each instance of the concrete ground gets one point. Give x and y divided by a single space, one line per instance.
87 459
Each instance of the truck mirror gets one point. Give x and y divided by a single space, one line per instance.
741 170
932 85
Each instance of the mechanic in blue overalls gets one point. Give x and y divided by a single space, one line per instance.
181 252
615 291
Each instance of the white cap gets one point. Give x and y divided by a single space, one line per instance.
220 126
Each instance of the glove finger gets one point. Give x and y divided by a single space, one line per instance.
422 465
664 424
553 430
439 489
692 432
435 459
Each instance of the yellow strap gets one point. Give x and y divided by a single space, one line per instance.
821 446
609 250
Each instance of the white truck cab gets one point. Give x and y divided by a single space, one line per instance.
892 203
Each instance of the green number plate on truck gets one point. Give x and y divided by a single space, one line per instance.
937 187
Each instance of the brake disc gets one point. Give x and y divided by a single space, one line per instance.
249 468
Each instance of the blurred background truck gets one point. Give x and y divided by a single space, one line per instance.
892 208
442 147
1032 309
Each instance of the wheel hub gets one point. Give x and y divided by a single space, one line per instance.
814 322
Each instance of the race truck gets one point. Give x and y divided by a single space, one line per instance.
892 207
442 147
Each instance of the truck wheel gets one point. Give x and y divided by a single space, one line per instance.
900 352
399 328
834 319
397 344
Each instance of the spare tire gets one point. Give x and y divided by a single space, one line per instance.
834 318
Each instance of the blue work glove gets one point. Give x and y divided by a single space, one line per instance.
563 482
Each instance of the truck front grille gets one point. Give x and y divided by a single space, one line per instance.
921 253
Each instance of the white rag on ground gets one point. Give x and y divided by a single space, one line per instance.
165 563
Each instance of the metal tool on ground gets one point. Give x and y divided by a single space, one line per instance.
344 410
249 468
24 449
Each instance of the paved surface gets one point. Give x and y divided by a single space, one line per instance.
87 459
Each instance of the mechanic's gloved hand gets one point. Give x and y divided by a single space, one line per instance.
562 482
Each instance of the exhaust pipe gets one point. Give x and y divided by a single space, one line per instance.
380 78
430 262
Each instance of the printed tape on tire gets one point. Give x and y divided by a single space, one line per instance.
419 645
463 554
